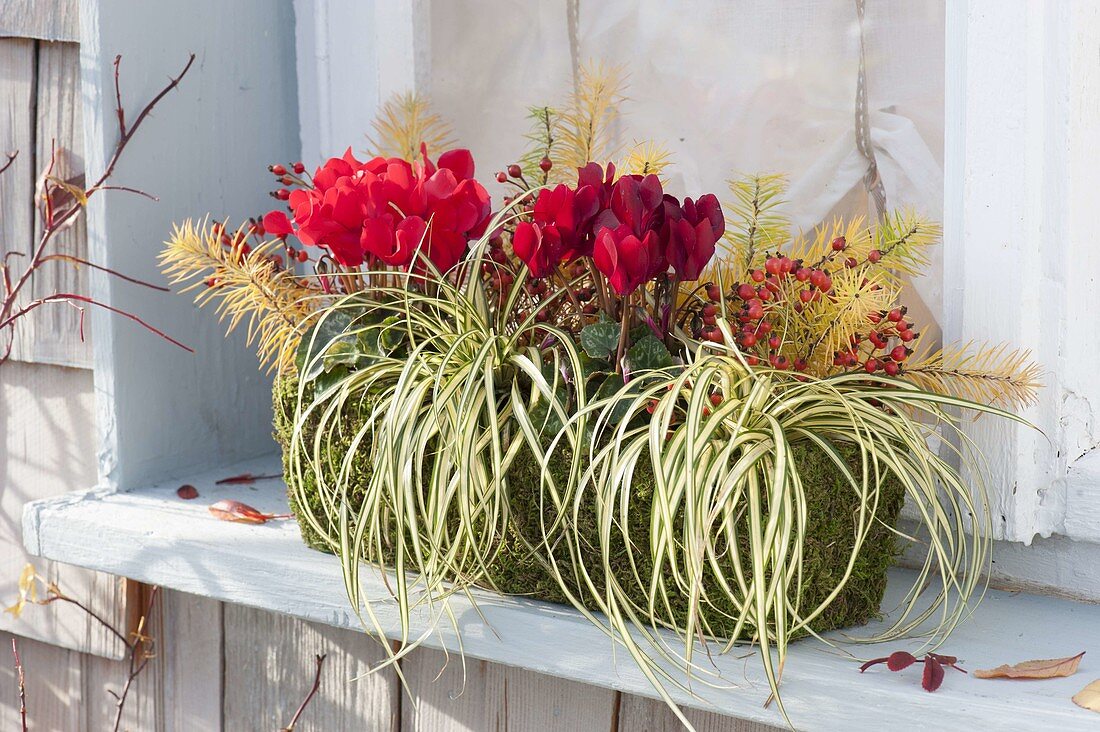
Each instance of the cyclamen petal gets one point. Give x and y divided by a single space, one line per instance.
277 224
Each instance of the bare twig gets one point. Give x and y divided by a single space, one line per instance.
79 261
22 686
11 159
309 696
140 652
69 296
61 213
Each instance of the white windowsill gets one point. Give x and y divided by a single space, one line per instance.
153 536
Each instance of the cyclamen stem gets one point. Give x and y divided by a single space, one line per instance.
624 332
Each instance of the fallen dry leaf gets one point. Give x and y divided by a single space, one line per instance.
187 492
1089 697
1047 668
230 510
245 478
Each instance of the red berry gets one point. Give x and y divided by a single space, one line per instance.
874 256
303 256
891 368
715 399
851 263
875 318
802 274
748 340
805 295
871 366
515 171
286 180
894 315
772 265
752 360
899 354
746 291
906 335
839 243
786 264
774 342
299 168
282 194
545 165
715 335
713 292
277 170
709 309
800 364
502 177
758 275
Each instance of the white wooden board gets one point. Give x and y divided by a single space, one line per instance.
49 20
152 535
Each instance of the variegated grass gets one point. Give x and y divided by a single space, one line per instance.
474 392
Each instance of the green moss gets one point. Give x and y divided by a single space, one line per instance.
831 516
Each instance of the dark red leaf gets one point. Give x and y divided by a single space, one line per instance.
933 674
873 662
899 660
245 478
948 661
187 492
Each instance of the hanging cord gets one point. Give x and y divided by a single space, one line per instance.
871 178
572 17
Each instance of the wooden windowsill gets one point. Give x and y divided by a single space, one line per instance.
153 536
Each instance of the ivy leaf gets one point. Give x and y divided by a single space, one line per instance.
600 340
318 339
648 354
612 385
391 335
343 352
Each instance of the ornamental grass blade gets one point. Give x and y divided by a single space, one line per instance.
1049 668
1089 697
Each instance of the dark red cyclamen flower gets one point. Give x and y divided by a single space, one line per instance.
389 208
562 217
692 231
624 258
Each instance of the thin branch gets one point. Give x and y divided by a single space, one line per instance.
59 597
79 261
128 134
140 655
127 189
118 100
11 159
309 696
55 222
69 296
22 686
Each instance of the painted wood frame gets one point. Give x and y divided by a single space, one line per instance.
1020 264
162 410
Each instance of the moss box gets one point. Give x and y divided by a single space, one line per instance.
832 514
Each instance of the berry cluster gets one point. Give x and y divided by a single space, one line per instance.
784 286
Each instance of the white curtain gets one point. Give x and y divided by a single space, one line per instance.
728 85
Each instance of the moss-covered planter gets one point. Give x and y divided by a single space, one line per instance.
831 517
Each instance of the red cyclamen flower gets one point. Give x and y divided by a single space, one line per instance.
388 209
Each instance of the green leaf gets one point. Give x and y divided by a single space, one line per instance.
600 340
648 354
391 335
